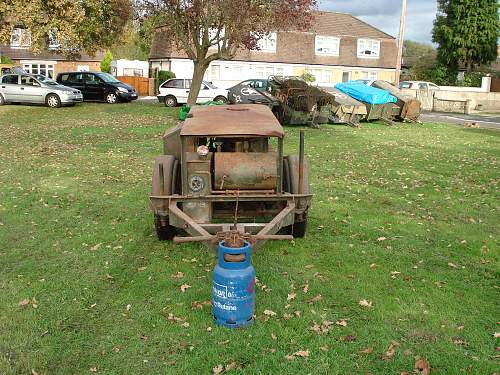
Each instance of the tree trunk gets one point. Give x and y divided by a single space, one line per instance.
199 71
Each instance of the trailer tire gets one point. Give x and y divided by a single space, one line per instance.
165 231
291 185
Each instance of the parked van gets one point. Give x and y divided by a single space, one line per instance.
98 86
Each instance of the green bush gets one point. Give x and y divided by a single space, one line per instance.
6 60
308 77
164 75
106 62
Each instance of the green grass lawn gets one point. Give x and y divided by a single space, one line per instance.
404 217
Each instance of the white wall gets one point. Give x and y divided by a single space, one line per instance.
125 67
225 74
485 87
489 100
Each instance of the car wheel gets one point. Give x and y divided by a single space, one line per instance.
53 101
111 98
2 101
220 99
170 101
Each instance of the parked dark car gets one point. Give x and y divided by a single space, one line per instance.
98 86
252 91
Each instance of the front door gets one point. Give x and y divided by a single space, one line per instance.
345 76
94 87
76 80
205 94
31 91
10 87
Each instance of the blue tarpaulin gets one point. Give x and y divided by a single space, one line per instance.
364 93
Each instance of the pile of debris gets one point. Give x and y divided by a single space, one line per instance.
347 103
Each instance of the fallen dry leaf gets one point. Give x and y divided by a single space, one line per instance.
422 366
23 303
178 275
231 366
33 372
365 303
269 313
324 348
94 248
218 369
496 335
93 369
300 353
273 336
185 287
341 322
391 350
185 325
348 338
291 296
452 265
315 299
381 239
173 318
306 288
367 351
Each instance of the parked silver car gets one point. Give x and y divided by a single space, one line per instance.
28 88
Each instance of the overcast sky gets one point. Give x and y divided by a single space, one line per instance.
384 14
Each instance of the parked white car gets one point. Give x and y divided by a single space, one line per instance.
418 85
176 91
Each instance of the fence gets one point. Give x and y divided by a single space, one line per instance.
143 86
495 85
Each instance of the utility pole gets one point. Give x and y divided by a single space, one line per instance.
401 41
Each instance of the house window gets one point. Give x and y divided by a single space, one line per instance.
267 43
372 76
20 38
42 68
368 48
214 73
327 45
53 41
321 75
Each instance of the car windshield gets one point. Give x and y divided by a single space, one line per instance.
108 78
210 85
46 80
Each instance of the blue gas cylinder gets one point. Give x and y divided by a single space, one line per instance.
233 287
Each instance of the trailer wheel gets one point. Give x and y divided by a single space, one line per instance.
169 165
291 185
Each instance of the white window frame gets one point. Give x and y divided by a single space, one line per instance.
371 75
371 45
53 41
20 38
34 68
268 43
326 45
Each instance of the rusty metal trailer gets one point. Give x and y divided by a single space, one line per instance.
224 170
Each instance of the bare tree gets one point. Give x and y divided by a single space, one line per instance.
208 30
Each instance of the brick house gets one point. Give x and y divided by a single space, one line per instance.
337 48
49 62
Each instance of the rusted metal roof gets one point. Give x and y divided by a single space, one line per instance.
232 120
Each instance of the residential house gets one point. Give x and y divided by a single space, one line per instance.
49 62
337 48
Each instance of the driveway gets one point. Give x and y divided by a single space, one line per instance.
490 121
